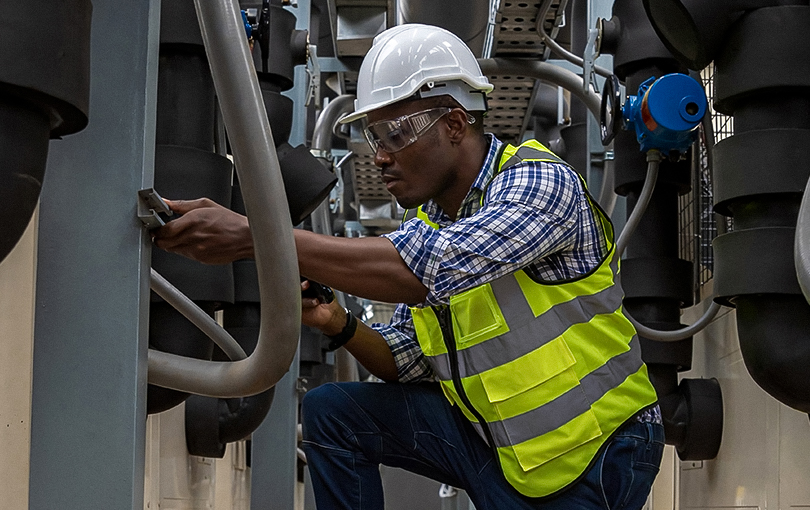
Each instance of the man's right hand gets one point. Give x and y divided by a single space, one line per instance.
205 232
327 317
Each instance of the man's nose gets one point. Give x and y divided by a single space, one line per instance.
382 158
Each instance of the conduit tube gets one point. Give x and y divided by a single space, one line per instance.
266 204
559 50
197 316
678 334
801 248
653 161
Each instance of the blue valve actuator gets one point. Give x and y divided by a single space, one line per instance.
666 112
248 26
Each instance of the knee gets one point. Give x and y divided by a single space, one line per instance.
318 406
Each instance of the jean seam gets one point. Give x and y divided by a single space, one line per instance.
601 483
631 485
326 447
410 416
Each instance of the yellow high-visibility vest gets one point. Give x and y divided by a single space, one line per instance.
547 372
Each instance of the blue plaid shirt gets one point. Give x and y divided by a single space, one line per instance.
535 215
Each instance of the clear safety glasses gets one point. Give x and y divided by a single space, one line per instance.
394 135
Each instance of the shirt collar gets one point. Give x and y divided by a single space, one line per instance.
471 202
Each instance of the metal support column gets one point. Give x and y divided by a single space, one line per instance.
90 338
273 444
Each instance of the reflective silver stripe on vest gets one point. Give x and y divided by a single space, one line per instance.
524 153
526 332
570 404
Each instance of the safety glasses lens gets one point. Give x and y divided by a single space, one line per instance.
391 136
395 135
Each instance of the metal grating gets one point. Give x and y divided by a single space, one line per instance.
516 36
698 224
508 104
367 177
516 29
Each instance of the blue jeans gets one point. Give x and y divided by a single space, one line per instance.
351 428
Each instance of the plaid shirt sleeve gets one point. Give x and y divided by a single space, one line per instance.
400 335
531 210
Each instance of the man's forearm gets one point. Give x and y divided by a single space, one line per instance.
369 267
370 349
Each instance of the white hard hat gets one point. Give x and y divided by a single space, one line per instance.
406 58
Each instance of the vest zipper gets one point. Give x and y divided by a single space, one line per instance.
449 339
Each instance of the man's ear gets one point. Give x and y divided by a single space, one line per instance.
457 125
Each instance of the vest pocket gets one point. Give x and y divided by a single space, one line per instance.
576 433
542 412
549 368
476 316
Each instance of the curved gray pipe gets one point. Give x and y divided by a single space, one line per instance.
322 134
801 247
564 78
197 316
322 142
266 205
345 364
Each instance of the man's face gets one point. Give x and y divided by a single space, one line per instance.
422 170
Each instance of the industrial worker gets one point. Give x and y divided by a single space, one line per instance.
511 371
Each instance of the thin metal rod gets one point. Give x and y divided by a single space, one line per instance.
344 159
266 204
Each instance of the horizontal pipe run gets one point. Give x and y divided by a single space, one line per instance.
551 73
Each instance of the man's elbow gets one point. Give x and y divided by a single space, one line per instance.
414 293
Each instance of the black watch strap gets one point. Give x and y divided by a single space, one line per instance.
346 334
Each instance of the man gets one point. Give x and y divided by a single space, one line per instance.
512 303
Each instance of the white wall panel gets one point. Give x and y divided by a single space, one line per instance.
17 282
763 461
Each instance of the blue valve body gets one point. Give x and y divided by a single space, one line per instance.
248 26
666 112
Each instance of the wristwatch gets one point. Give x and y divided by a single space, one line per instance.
346 334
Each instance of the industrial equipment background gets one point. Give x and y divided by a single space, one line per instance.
169 97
